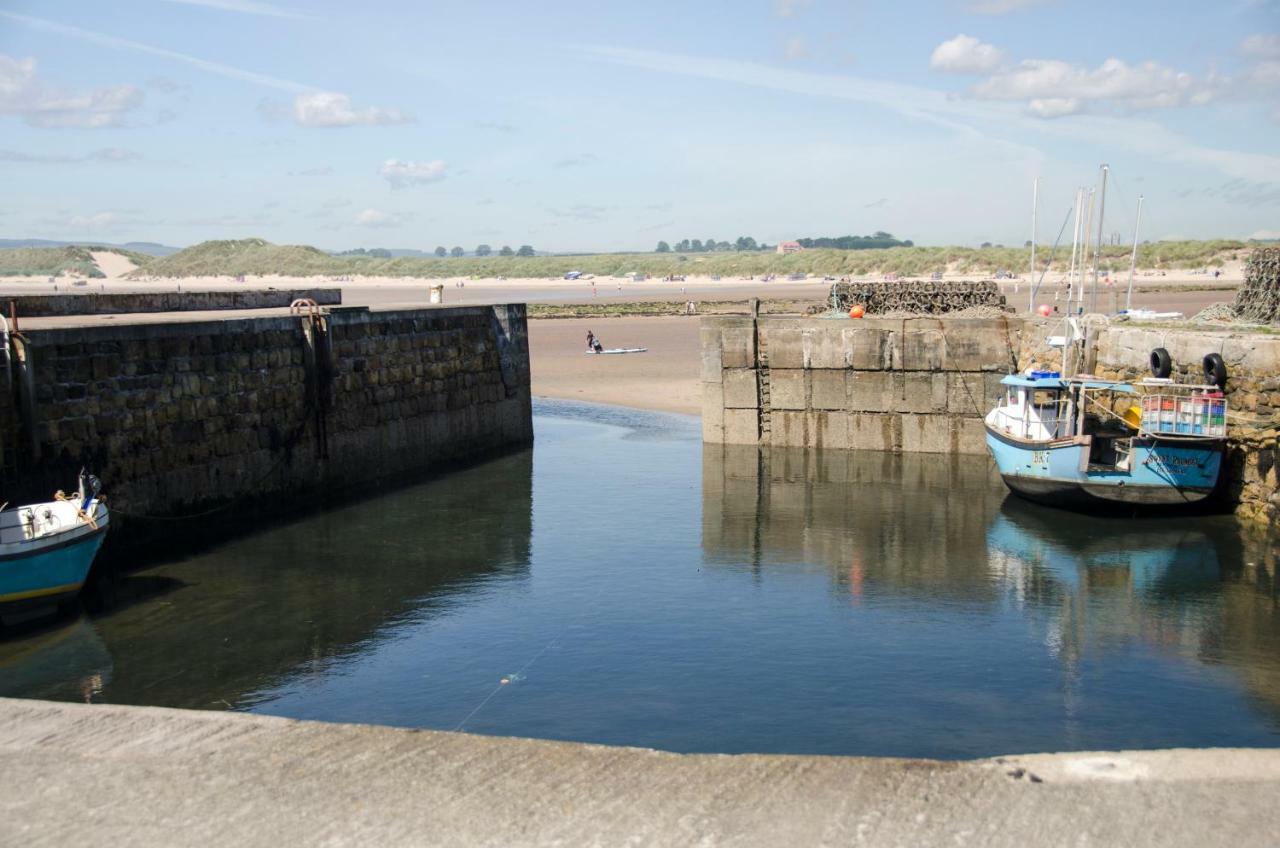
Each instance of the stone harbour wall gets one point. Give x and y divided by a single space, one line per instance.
123 303
182 418
923 385
916 385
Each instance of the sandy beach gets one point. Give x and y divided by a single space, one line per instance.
663 378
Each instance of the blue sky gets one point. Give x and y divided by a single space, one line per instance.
609 126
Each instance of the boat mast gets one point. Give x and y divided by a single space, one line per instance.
1087 235
1133 260
1075 246
1031 281
1097 249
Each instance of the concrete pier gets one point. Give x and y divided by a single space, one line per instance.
157 777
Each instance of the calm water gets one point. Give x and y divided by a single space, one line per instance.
632 588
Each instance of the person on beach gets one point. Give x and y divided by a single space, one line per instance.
593 344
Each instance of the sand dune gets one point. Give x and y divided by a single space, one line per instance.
113 265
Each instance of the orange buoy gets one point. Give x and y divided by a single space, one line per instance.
1045 310
857 311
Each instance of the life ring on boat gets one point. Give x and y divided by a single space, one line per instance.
1161 363
1215 370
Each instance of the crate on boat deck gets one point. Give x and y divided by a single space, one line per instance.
1196 414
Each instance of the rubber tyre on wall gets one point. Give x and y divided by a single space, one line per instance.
1161 363
1215 370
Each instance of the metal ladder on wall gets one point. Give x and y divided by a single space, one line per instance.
762 378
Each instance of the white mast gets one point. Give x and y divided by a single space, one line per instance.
1087 234
1097 252
1031 286
1133 260
1075 246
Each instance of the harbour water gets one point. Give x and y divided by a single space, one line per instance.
619 584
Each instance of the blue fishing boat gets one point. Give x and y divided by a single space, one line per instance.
46 549
1085 442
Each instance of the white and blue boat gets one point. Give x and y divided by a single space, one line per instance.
46 549
1085 442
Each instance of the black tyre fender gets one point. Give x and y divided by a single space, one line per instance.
1161 363
1215 370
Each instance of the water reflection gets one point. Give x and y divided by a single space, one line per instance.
215 630
907 524
1097 595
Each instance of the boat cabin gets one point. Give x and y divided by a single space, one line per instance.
1044 409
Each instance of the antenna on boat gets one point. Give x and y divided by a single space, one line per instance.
1097 252
1031 288
1133 259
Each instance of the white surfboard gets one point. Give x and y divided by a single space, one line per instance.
617 350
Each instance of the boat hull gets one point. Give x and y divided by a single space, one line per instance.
50 574
1161 473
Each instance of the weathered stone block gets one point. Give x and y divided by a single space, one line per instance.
740 390
712 354
874 432
738 347
787 389
870 391
741 427
921 350
919 391
867 348
789 429
929 433
784 347
829 389
830 429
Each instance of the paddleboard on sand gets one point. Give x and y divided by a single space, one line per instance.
617 350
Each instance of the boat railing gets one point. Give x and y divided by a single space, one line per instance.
1053 427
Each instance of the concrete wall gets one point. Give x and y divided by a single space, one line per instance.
901 385
179 418
123 303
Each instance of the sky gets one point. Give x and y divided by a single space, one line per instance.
583 126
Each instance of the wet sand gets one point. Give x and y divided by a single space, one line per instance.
664 378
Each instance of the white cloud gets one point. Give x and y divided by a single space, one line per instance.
106 154
789 8
40 105
979 120
1000 7
1053 107
1057 85
246 6
795 48
965 54
1261 46
376 218
402 174
331 109
125 44
98 220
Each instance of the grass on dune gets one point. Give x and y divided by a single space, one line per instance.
53 261
257 257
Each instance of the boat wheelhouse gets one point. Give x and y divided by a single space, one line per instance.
1082 441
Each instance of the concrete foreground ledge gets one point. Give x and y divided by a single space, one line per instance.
79 774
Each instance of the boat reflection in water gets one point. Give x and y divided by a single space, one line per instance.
67 661
1204 590
1000 624
264 616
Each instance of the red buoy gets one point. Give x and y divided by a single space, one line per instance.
857 312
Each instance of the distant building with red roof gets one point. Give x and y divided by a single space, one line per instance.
789 247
